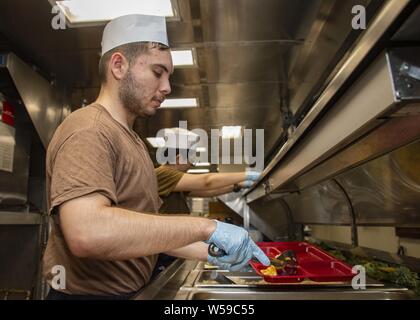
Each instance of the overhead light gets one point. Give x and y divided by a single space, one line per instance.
231 132
201 164
94 11
201 149
156 142
198 171
180 103
182 58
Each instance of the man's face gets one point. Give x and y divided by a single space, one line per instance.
146 83
183 167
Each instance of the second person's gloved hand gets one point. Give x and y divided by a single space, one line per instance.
237 244
250 177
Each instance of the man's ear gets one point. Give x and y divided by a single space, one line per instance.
118 65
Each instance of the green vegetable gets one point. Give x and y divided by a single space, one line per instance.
378 270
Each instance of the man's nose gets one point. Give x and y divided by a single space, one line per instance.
165 87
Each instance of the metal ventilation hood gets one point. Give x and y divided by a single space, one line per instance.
44 101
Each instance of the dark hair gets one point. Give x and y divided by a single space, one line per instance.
130 51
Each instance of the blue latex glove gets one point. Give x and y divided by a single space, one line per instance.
237 244
247 183
252 175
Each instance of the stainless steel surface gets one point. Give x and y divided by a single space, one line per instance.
353 222
19 218
335 130
324 203
252 280
14 185
362 105
272 218
386 191
234 201
327 41
20 255
269 216
188 280
409 31
387 137
405 68
167 283
248 285
219 278
379 25
241 294
44 102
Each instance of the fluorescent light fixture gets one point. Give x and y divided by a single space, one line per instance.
180 103
201 164
156 142
198 171
91 11
182 58
201 149
231 132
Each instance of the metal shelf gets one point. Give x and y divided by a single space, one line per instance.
20 218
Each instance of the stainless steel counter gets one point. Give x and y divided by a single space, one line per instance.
189 280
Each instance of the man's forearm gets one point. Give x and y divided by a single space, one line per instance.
203 182
194 251
111 233
211 192
219 180
146 234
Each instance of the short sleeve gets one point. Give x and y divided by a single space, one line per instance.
83 164
167 179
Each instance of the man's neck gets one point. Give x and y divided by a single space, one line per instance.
111 102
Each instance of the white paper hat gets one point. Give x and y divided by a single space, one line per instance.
180 138
134 28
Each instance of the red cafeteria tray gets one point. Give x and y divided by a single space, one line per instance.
313 263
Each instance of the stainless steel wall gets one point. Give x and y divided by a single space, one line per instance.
324 203
384 191
14 185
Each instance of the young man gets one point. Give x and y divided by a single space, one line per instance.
101 186
176 156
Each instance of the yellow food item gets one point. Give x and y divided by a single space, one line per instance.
270 271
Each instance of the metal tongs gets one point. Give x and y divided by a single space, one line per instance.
286 262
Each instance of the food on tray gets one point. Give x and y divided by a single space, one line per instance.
285 259
270 271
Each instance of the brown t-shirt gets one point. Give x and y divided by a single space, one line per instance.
93 153
167 179
173 202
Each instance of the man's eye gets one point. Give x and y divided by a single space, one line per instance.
157 74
